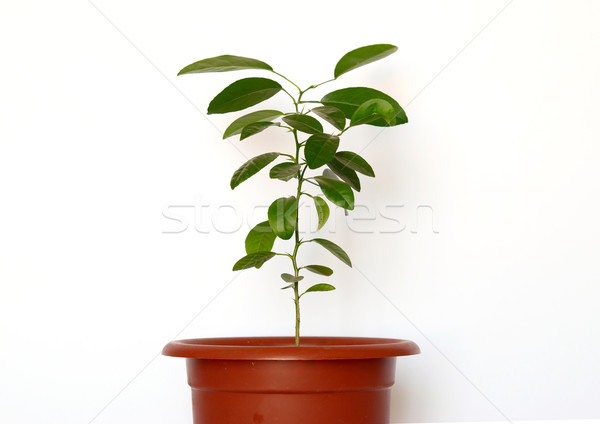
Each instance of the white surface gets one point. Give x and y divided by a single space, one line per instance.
95 145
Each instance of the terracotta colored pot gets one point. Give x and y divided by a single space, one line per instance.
327 380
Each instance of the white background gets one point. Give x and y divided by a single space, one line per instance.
98 140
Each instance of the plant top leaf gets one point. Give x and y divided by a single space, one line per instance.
349 99
289 278
322 211
224 63
260 238
255 128
362 56
336 250
253 260
354 161
332 115
372 110
329 174
304 123
346 174
282 216
259 116
338 192
243 94
319 288
319 269
251 167
320 149
285 171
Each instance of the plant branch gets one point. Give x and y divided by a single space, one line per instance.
292 97
288 80
287 155
319 84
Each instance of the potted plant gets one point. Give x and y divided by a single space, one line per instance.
296 380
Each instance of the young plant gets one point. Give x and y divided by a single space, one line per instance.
314 149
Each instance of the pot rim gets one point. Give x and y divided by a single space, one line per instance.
283 348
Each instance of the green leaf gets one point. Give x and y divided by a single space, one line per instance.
338 192
289 278
289 286
345 173
243 94
251 167
260 238
322 211
329 174
224 63
250 118
354 161
252 260
337 251
332 115
373 109
255 128
319 288
349 99
285 171
304 123
282 216
320 149
362 56
319 269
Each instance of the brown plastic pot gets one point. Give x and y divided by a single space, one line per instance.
268 380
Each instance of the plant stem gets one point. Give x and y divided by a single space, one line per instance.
297 243
299 193
297 302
